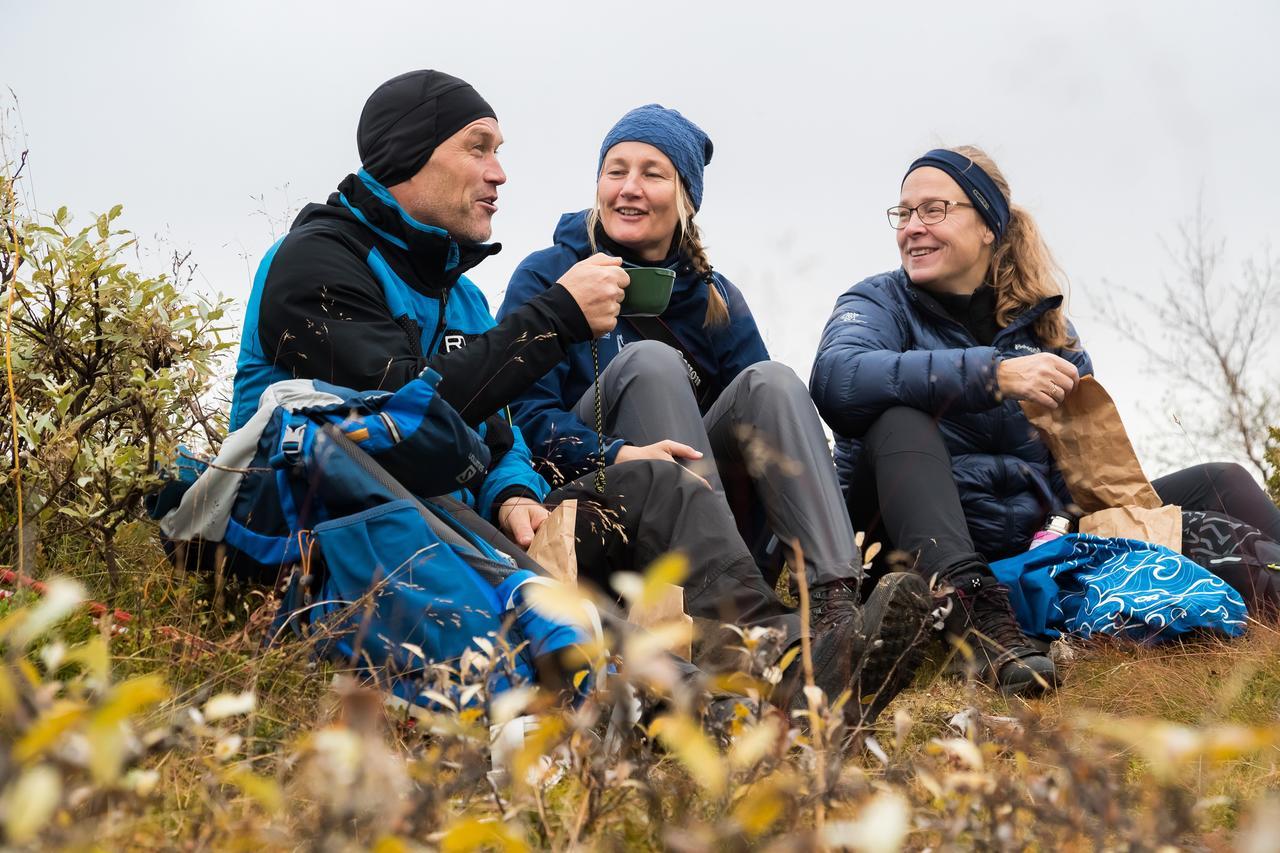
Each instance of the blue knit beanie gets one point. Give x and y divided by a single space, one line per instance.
688 147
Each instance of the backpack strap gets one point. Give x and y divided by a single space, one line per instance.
706 387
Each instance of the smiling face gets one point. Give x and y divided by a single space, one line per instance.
952 255
636 197
457 189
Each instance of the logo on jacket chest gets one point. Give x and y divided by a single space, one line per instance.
454 340
1026 348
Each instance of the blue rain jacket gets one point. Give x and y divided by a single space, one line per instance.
545 413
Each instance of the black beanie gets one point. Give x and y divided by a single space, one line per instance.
408 116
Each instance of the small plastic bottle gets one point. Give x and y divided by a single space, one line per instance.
1055 526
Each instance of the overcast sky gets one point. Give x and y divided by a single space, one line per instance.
1108 118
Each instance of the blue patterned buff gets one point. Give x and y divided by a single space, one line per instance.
1083 585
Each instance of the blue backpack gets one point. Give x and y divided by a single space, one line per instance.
321 492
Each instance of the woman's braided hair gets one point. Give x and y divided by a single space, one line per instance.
692 248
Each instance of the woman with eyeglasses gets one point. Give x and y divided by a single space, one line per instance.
919 372
695 386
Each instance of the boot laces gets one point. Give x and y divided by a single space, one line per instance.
991 613
830 600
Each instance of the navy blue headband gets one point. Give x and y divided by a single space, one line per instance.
990 203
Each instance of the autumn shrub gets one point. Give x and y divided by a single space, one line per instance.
106 371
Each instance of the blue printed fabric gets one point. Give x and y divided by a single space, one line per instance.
1082 585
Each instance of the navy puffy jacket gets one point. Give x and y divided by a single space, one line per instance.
545 411
888 344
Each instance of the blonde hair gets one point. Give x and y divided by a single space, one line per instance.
1023 271
690 247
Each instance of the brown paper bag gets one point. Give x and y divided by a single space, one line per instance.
1161 525
669 608
1092 450
555 548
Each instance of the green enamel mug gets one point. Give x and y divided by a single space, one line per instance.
649 291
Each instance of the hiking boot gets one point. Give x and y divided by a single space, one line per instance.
835 625
896 619
891 643
1006 659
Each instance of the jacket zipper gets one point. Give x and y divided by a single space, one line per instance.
440 323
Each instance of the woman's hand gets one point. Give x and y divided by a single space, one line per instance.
665 450
1044 378
520 518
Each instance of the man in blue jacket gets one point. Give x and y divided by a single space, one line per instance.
369 289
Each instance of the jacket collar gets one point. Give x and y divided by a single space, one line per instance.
923 298
437 258
629 258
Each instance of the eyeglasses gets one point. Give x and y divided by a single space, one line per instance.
930 213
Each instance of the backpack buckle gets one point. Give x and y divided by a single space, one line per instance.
291 442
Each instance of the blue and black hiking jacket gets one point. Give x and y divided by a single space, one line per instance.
361 295
888 343
545 411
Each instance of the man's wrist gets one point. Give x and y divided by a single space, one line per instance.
514 492
573 323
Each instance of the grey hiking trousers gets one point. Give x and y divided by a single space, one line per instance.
762 436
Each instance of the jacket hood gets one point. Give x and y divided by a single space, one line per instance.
571 232
438 258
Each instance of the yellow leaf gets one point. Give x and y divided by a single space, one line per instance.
759 809
130 697
30 802
537 743
108 735
8 696
61 597
263 791
471 833
740 683
693 749
670 569
789 658
389 844
560 603
107 743
753 744
1225 743
94 657
29 672
47 730
642 647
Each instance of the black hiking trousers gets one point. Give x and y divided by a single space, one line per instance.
650 508
903 494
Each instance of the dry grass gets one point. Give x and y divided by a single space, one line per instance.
1142 746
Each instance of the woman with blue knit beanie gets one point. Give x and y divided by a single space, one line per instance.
695 385
920 372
